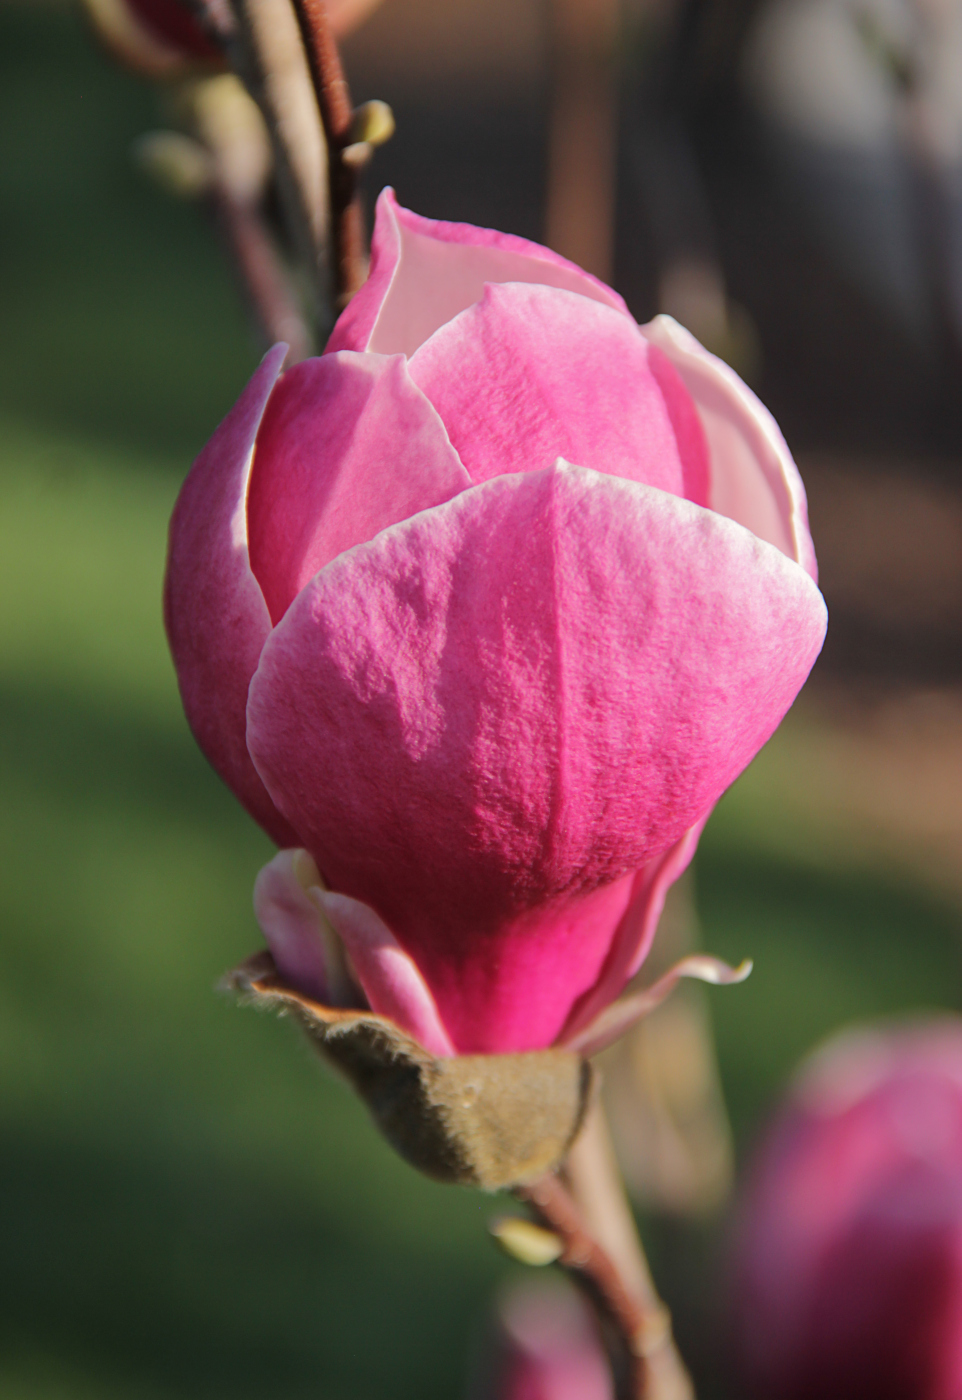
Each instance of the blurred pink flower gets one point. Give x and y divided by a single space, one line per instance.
848 1276
173 23
495 695
157 37
161 37
549 1347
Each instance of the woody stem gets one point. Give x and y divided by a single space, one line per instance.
593 1178
334 103
621 1317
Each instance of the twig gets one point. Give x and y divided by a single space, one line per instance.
334 102
595 1185
261 274
622 1317
269 56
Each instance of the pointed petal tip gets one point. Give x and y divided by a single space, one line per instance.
618 1018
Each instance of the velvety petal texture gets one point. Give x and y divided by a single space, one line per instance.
504 747
530 374
214 611
478 614
347 446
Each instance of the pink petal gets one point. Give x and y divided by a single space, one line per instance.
753 477
424 272
392 983
347 446
489 717
529 374
290 921
637 929
621 1015
216 617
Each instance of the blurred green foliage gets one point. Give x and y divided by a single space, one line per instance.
190 1206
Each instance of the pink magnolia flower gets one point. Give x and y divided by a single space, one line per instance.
849 1251
549 1347
485 608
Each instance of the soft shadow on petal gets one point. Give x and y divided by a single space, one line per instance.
518 699
423 272
347 445
529 374
214 611
753 477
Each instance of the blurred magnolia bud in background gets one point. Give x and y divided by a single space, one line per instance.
848 1259
164 38
158 38
545 1347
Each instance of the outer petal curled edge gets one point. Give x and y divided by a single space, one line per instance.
753 478
214 611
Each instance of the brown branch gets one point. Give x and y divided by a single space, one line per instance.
625 1324
268 54
582 133
592 1176
334 102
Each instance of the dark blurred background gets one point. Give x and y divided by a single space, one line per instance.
190 1206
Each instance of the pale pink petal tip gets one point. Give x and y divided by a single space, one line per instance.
753 478
622 1015
390 978
291 922
424 272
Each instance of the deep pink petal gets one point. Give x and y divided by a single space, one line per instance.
637 929
392 983
517 700
347 446
530 374
753 478
423 272
215 614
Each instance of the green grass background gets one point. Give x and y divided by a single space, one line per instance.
189 1206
